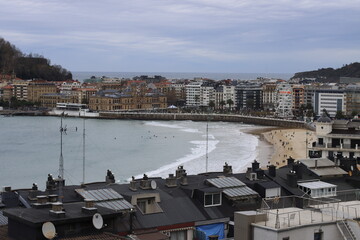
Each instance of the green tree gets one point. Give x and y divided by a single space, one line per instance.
222 104
212 104
230 102
339 115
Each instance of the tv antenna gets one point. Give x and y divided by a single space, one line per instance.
97 221
83 180
48 230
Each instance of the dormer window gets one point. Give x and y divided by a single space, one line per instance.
212 199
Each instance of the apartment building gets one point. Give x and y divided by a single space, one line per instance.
284 100
193 94
249 97
330 100
269 96
37 88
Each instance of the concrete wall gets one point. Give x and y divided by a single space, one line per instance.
330 232
206 117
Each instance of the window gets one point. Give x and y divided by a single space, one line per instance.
318 235
212 199
178 235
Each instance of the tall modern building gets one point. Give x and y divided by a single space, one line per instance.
249 97
331 100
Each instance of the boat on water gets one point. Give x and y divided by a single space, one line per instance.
73 110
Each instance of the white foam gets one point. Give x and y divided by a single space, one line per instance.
198 151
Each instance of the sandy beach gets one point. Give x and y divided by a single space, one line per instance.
278 144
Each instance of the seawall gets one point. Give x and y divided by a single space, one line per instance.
207 117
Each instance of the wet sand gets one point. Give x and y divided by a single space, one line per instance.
278 144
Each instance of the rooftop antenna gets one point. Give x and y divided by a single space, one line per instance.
83 180
61 159
207 144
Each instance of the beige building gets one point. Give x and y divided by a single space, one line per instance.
37 88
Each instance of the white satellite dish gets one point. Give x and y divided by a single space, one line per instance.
97 221
48 230
153 184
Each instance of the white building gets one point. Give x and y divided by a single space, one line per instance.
193 94
331 100
336 138
284 100
331 221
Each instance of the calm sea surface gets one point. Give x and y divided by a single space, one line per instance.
174 75
30 148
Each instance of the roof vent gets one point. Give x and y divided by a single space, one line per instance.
110 178
171 181
89 206
145 183
227 169
132 184
57 210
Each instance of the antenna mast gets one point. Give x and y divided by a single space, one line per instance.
207 143
61 160
83 180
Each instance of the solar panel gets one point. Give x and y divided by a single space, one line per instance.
239 192
100 194
226 182
107 198
116 205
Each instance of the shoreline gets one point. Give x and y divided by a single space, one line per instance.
277 144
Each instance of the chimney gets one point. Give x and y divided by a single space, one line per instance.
180 171
316 163
41 202
53 198
183 180
259 173
110 178
290 161
89 206
42 199
50 183
291 179
171 181
297 168
132 184
145 183
7 189
57 210
272 170
250 174
255 165
227 169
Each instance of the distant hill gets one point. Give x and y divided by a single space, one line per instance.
30 66
330 74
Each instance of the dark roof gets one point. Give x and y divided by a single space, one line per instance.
324 118
34 216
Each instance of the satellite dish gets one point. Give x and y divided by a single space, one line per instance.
153 184
97 221
48 230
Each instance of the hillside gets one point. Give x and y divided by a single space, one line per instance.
31 66
330 74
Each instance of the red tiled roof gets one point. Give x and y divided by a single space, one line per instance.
8 87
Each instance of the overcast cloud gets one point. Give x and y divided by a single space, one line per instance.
186 35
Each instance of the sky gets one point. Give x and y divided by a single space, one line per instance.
225 36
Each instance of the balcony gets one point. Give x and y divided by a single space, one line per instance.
330 147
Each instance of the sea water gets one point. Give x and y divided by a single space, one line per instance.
30 148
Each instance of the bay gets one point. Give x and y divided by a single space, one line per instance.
30 148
